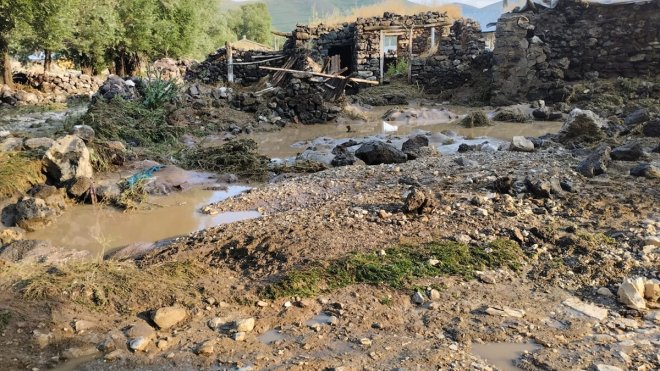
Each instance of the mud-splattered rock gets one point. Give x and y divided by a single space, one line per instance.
33 214
418 201
413 146
522 144
646 170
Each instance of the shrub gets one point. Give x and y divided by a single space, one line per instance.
157 91
400 68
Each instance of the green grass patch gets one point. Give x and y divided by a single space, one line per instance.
399 267
18 173
5 316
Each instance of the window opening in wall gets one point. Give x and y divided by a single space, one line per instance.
346 58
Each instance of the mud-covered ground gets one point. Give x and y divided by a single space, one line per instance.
574 244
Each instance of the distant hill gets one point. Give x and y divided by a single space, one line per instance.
286 14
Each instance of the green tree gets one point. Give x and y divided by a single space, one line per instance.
95 32
51 25
12 12
252 21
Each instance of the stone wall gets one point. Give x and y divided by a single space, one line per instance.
38 88
460 55
536 54
214 68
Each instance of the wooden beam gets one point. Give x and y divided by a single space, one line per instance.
403 28
283 34
382 55
320 75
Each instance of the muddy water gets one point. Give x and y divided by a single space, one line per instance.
39 121
502 355
293 140
101 229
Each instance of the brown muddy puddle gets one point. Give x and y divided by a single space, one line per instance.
292 140
503 355
101 229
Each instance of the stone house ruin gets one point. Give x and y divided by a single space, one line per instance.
369 46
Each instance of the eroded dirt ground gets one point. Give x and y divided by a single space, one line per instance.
574 244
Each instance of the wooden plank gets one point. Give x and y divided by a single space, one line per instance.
320 75
382 56
230 62
283 34
410 54
257 62
403 28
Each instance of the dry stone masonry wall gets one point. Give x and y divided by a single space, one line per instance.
536 53
38 88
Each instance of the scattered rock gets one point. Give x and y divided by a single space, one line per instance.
631 293
630 152
9 235
412 147
646 170
487 277
377 152
538 188
38 143
244 325
652 129
80 187
79 352
83 132
476 119
582 126
83 325
418 298
206 349
168 317
239 336
343 157
604 367
522 144
11 145
140 329
636 117
33 214
596 164
505 312
139 344
68 159
503 184
115 86
462 161
604 291
418 201
590 310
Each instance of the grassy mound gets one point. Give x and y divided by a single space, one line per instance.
18 173
476 119
511 115
399 267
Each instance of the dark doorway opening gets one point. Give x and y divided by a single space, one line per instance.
346 57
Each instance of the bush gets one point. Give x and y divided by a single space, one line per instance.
238 156
158 91
400 68
476 119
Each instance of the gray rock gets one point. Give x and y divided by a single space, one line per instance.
596 163
244 325
83 132
418 298
80 187
462 161
33 214
139 344
636 117
652 129
377 152
418 201
68 159
522 144
587 309
38 143
631 293
412 147
115 86
11 145
582 126
629 152
646 170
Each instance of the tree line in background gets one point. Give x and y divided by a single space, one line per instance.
121 34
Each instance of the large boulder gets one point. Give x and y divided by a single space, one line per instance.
115 86
596 164
646 170
582 126
377 152
652 128
522 144
68 159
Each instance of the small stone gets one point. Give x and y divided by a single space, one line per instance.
240 336
653 316
215 323
603 367
162 344
262 304
604 291
631 293
418 298
288 304
522 144
206 348
586 309
487 277
434 295
140 330
139 344
114 355
82 325
652 290
168 317
505 312
365 341
244 325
